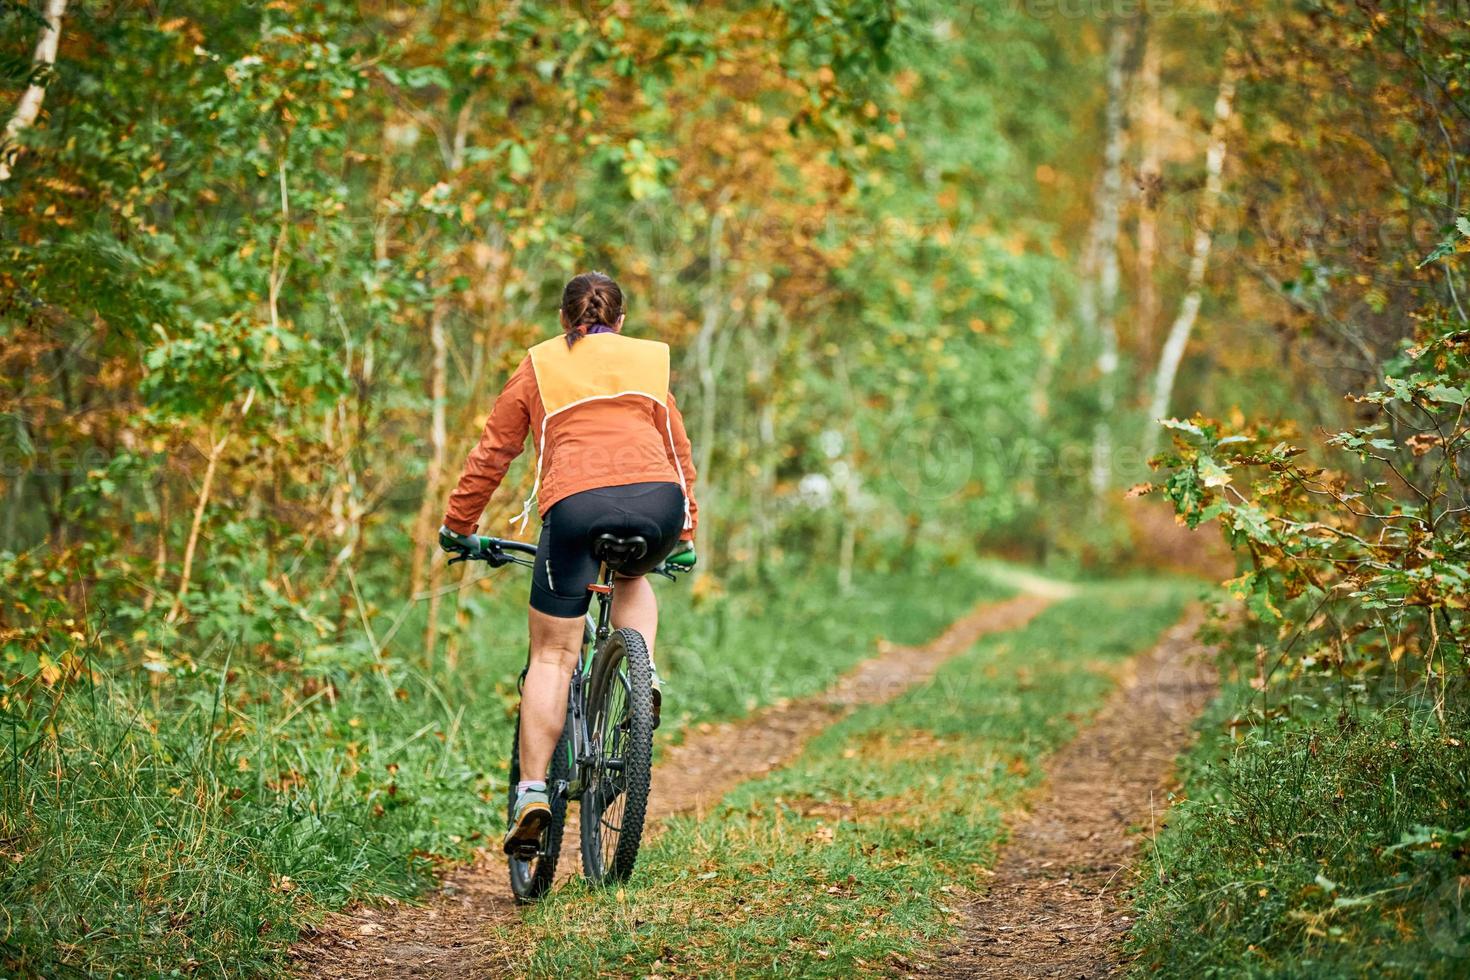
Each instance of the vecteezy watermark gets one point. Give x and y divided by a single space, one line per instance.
937 456
931 459
1121 10
1447 917
1239 232
50 461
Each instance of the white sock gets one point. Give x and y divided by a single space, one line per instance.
525 784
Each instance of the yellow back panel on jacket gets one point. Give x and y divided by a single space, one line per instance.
600 365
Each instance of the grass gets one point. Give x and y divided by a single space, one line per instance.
1331 838
191 821
724 659
848 861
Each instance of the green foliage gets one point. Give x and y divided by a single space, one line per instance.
215 364
1318 834
236 224
1321 834
1355 569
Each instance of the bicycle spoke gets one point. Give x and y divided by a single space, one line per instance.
618 790
610 840
613 736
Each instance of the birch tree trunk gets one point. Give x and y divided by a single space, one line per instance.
29 107
1103 302
704 348
1204 234
847 548
709 355
764 345
1150 114
424 536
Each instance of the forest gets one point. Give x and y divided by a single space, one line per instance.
1078 396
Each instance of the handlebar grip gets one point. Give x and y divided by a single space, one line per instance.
505 544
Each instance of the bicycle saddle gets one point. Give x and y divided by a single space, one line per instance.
615 552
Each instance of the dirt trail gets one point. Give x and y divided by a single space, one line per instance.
1056 905
447 936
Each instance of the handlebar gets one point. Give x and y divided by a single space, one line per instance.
670 571
496 552
502 551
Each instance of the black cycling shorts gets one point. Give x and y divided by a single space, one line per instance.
564 562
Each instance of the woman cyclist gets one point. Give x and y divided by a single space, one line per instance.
612 456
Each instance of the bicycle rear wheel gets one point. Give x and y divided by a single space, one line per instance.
531 876
615 802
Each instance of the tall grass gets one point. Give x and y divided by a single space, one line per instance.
193 820
1327 835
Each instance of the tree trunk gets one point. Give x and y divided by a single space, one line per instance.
1150 115
1103 302
30 101
160 546
430 507
847 549
1178 339
769 351
12 513
216 449
707 360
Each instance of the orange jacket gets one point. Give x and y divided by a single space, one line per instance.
604 416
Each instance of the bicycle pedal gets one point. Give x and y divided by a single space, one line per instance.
527 852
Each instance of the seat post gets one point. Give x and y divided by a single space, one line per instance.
614 553
604 592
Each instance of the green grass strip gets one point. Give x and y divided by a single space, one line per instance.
839 863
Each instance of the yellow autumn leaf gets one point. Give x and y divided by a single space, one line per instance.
49 672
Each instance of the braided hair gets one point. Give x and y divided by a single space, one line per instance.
590 300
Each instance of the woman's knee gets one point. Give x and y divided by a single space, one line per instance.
555 640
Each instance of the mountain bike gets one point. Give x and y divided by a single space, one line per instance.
605 757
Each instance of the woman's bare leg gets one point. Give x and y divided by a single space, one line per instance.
636 607
555 643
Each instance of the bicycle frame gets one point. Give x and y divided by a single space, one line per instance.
582 749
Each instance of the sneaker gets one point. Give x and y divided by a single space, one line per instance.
532 816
